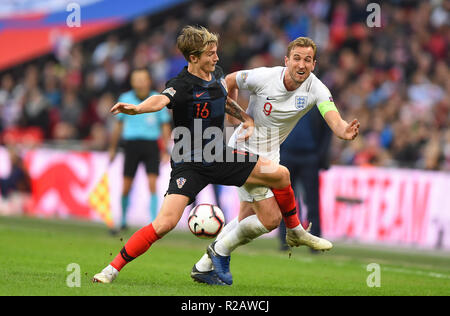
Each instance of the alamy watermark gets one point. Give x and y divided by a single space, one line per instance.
74 18
74 278
374 278
374 18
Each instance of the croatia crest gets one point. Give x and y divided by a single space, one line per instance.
181 182
301 102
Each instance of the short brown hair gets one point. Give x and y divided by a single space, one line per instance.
195 40
302 42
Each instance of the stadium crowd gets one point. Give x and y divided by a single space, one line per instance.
393 78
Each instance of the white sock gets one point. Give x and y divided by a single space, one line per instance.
248 229
299 227
110 270
205 264
227 228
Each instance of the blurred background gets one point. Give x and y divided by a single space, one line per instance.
58 80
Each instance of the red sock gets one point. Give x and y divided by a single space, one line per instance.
286 201
138 243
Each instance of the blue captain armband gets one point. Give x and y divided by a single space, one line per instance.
326 106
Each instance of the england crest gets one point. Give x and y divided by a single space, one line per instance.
180 182
301 102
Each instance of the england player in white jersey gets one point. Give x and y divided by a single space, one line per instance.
279 97
274 109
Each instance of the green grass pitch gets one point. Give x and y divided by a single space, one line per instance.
35 254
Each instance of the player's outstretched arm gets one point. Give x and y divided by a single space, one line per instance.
340 127
152 104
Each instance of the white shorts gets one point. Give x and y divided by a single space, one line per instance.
254 193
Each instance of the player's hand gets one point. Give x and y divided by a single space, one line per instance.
125 108
248 126
352 130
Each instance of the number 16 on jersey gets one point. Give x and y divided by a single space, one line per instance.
201 110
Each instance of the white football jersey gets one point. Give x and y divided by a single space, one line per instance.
274 109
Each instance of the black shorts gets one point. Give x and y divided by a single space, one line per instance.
145 151
190 178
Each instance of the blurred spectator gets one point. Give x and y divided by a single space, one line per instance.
15 188
71 109
18 179
36 110
52 92
98 122
9 109
111 49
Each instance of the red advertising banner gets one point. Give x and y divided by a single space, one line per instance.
402 207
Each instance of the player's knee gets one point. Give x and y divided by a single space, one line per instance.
272 221
276 220
164 225
284 178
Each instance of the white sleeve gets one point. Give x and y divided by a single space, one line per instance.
250 79
322 93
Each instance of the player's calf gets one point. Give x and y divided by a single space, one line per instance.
285 198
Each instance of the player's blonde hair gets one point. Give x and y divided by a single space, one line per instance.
195 40
302 42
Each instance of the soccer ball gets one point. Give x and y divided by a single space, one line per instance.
206 221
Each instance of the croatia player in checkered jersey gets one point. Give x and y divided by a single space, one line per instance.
279 97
